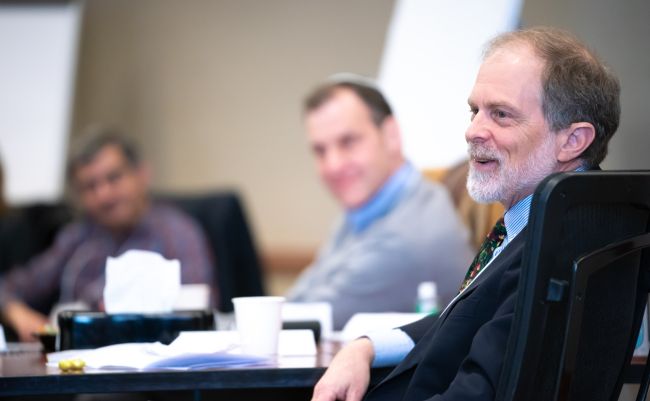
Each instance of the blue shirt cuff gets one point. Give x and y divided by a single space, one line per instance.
390 346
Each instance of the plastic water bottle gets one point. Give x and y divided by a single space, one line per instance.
427 301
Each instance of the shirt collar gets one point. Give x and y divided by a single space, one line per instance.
516 217
382 201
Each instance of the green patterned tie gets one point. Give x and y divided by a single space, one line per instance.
492 241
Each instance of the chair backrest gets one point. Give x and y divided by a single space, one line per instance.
221 215
583 288
29 230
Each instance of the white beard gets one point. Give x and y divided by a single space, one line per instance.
509 180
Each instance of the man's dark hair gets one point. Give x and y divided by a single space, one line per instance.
85 148
371 97
576 85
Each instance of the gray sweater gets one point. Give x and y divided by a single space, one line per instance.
378 270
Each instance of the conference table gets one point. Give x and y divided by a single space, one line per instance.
24 373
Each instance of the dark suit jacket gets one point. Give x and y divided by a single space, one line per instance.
459 355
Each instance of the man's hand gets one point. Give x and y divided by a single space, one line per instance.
348 375
24 320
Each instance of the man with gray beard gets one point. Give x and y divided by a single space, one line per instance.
541 103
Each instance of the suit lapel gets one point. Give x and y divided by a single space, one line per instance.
491 269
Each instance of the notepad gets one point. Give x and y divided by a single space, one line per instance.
290 342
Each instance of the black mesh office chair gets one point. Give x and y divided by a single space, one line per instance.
585 282
29 230
221 215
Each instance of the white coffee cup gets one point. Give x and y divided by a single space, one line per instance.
259 321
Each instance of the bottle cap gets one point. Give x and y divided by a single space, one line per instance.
427 289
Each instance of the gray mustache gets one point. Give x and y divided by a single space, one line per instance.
476 152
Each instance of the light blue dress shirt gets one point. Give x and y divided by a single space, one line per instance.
383 201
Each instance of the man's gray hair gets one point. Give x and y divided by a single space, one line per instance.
85 148
576 85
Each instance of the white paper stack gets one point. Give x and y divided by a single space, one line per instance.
192 350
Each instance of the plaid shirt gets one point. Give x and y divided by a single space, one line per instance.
73 268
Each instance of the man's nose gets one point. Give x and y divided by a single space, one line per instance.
103 190
478 129
333 162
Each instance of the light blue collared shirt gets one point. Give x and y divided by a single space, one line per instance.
515 220
383 201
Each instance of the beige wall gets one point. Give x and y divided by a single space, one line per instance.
212 90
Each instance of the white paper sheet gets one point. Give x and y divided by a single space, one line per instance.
290 342
363 323
192 350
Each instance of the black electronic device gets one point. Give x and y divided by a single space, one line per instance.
79 330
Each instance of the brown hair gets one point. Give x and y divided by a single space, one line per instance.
371 97
576 85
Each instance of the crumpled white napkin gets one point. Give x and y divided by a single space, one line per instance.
141 282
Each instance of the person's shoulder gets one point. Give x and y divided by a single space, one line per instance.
426 215
166 214
425 196
430 188
74 231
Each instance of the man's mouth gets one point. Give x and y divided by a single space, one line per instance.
109 208
482 158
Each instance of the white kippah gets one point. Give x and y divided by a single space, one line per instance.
349 77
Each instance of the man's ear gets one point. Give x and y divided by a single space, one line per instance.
574 140
391 132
